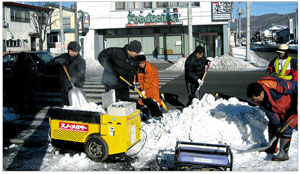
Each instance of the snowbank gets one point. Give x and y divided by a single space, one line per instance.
236 62
216 122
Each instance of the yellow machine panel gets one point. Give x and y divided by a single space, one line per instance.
121 132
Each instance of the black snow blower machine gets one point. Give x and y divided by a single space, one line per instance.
202 157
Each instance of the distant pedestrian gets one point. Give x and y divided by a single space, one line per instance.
24 83
148 80
194 71
283 65
118 62
76 67
275 97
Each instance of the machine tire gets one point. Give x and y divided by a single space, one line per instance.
96 148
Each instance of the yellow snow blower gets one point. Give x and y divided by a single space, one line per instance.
102 134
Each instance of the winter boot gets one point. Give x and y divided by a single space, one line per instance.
273 148
283 150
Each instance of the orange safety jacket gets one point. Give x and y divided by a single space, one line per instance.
149 82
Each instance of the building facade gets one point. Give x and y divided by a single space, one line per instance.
162 27
54 37
18 33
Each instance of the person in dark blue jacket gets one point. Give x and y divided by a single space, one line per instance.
194 71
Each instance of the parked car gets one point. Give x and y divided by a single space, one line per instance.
45 74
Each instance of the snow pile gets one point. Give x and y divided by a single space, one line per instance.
8 116
91 106
215 122
178 66
237 62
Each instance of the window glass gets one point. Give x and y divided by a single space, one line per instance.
9 59
18 15
67 23
174 4
27 17
162 4
120 5
12 14
46 58
122 32
164 30
148 31
167 45
148 44
148 4
130 5
116 42
135 31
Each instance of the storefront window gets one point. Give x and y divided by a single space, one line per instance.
170 45
122 32
148 31
115 42
164 30
135 31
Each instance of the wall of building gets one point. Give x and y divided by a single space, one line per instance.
104 16
19 31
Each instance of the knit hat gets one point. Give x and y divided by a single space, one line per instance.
135 46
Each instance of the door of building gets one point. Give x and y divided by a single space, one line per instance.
207 40
33 43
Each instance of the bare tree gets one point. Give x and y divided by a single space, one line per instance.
40 19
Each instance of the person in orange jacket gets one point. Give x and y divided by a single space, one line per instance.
147 77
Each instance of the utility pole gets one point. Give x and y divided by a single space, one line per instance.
296 27
248 32
61 28
190 28
76 22
239 27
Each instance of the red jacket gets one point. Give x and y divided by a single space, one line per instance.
149 82
279 95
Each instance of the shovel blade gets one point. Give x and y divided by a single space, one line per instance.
77 98
153 107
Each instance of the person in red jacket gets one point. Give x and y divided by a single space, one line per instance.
283 65
147 77
277 97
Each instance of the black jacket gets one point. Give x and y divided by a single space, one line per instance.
117 62
76 67
194 68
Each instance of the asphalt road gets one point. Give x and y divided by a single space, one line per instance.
227 84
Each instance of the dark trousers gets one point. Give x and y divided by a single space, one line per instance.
191 89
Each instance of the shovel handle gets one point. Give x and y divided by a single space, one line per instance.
69 78
138 91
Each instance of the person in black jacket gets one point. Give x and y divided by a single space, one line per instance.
194 71
76 67
119 62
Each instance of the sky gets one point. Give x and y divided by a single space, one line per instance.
265 7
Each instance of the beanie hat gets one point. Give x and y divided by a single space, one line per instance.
135 46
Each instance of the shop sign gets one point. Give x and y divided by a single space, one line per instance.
221 10
151 19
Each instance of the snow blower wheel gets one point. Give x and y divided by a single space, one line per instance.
96 148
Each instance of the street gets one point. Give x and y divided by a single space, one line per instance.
29 133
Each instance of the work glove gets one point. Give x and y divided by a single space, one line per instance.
60 61
73 79
132 85
200 82
143 92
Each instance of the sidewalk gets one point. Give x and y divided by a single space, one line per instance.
162 64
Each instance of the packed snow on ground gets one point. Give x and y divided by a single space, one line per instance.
230 122
236 62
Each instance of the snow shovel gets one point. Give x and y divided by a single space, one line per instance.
198 89
80 98
270 142
149 102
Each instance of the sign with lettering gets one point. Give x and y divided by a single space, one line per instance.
151 19
74 127
221 10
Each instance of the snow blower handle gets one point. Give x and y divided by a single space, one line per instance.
69 78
